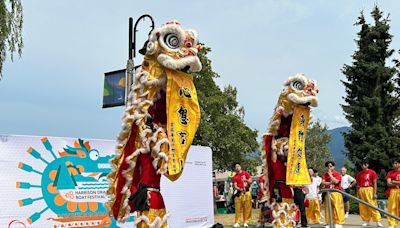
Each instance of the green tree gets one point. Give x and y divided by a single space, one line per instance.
317 148
397 83
222 126
371 105
10 29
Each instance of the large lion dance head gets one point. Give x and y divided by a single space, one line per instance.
298 90
175 48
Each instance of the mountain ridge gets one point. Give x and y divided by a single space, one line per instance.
336 145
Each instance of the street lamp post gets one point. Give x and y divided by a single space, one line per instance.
117 83
130 66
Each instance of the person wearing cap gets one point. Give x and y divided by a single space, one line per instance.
393 182
331 179
366 189
241 184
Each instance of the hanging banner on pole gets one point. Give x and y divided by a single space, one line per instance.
114 88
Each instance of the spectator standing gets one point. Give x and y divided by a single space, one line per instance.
347 183
254 193
318 180
313 211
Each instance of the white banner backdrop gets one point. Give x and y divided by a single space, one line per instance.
61 182
189 199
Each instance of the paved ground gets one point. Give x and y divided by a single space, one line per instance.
228 219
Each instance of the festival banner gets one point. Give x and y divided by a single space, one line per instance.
62 182
297 172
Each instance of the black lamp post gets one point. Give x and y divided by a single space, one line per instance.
114 94
130 66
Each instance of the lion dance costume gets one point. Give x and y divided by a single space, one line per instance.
159 124
284 142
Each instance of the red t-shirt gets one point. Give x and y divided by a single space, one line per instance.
365 178
239 181
393 175
327 178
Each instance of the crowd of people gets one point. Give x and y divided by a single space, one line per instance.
308 199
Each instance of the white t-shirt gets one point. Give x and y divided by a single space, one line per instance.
346 181
312 189
318 180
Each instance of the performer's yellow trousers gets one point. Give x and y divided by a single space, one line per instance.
394 206
243 207
313 211
337 208
149 218
366 213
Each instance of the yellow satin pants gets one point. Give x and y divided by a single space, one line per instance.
151 218
337 208
313 211
394 206
366 213
243 207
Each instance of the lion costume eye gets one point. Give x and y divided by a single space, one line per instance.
298 85
94 155
172 41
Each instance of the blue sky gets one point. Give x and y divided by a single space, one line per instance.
56 87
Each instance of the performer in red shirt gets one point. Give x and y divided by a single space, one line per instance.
366 188
241 184
332 179
393 181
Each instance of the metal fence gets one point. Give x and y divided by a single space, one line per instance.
328 192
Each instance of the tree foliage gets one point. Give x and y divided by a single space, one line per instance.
397 94
317 149
222 126
371 105
11 20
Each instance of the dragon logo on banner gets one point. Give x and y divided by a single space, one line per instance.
284 154
73 185
159 125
